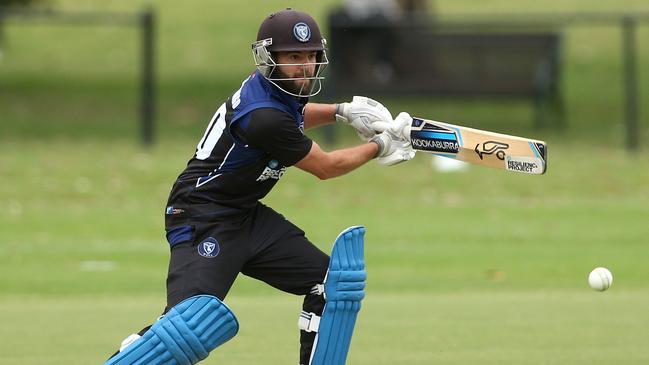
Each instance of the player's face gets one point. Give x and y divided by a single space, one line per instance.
298 65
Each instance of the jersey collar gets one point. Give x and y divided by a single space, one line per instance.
293 102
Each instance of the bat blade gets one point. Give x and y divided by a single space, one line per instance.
479 147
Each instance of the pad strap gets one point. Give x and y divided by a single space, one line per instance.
309 321
317 289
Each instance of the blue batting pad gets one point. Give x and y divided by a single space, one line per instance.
344 289
183 336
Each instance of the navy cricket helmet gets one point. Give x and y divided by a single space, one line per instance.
284 31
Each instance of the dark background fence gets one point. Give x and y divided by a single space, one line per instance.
144 21
419 34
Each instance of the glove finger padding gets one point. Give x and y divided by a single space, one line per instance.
367 116
402 125
397 146
400 154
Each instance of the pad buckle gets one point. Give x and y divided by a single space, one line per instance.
317 289
309 322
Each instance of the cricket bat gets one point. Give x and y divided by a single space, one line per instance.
479 147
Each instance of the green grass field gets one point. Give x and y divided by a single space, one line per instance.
483 266
479 267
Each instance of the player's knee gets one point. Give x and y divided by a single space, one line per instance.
184 335
313 303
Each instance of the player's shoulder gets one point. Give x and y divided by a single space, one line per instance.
265 123
269 116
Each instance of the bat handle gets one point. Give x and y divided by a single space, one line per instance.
405 132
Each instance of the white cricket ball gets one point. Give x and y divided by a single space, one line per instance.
600 278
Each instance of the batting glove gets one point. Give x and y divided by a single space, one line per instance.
394 142
368 117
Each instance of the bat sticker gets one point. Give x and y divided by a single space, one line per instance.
530 165
434 138
491 147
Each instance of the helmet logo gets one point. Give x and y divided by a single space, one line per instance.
302 32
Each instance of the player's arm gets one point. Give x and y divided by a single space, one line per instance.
316 114
326 165
390 147
277 133
367 116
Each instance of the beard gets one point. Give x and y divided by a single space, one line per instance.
298 87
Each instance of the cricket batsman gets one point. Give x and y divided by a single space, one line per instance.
216 226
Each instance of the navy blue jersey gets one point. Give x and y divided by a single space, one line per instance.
247 146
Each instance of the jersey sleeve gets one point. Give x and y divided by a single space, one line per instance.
277 133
